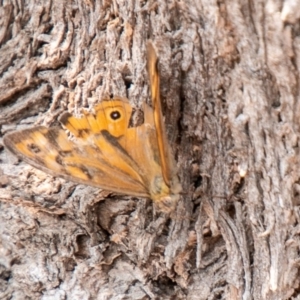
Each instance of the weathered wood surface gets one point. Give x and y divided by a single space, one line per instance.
230 89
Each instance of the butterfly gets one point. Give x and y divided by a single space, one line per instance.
102 150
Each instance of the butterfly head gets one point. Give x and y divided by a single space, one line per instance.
165 198
166 204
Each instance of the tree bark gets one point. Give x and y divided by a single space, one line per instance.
230 92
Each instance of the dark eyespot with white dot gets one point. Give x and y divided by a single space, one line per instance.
115 115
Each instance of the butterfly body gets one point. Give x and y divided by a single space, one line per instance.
105 152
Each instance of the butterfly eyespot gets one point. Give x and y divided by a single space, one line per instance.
64 153
33 148
115 115
83 132
59 160
87 173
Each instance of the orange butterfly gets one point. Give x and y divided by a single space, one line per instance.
105 152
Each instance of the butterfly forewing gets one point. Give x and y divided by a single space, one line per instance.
52 152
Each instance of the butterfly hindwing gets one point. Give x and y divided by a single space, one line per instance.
163 145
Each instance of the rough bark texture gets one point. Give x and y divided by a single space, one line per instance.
230 91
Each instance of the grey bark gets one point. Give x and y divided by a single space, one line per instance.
230 91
